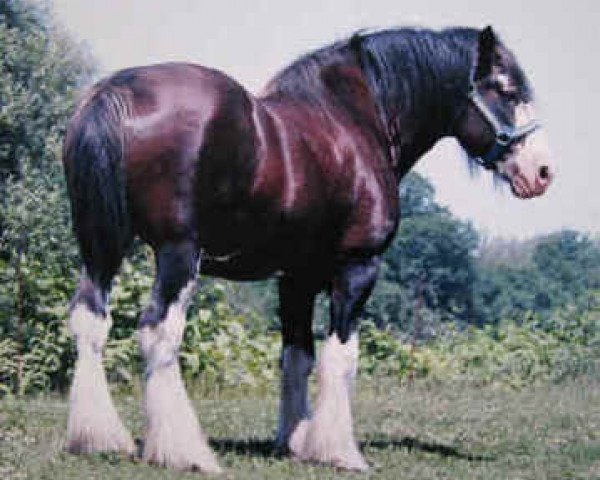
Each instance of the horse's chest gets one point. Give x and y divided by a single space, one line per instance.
372 221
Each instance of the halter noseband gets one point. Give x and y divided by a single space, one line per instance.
505 135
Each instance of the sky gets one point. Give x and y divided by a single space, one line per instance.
555 42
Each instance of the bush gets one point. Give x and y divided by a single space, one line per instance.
382 354
519 355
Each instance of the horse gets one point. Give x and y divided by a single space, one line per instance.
299 182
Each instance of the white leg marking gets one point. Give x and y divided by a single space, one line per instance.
93 425
294 406
328 437
173 435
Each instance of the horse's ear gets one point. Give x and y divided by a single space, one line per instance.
486 52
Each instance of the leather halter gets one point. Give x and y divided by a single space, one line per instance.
505 135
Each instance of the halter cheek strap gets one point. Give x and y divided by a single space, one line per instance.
505 135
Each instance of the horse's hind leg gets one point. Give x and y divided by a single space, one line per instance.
173 437
93 425
328 437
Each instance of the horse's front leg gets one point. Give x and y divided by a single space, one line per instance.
327 437
296 302
173 436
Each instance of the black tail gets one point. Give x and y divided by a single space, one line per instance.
93 159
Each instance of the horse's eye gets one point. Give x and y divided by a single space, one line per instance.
505 93
510 96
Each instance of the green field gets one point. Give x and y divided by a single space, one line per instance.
420 431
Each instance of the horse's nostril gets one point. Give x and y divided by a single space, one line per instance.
544 172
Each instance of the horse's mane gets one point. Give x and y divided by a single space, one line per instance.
391 59
405 68
302 78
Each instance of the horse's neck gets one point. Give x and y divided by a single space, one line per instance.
420 128
409 136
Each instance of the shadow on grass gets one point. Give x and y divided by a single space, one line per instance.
411 443
254 447
266 448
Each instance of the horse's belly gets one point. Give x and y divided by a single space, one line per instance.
236 267
265 251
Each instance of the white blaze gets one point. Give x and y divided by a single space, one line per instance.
529 168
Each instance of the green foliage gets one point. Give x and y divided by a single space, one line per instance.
515 355
437 251
41 70
525 353
219 351
36 280
569 263
510 354
381 354
9 351
417 196
560 269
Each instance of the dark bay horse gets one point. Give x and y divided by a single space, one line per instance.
300 182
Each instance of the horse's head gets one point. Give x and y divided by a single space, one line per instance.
499 127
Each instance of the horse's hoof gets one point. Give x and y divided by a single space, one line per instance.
85 445
353 463
199 461
185 458
298 438
341 455
187 465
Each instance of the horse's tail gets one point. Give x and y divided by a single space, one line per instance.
93 158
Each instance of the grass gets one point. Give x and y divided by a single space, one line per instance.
422 431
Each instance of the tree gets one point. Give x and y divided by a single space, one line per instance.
570 264
42 70
417 196
541 275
